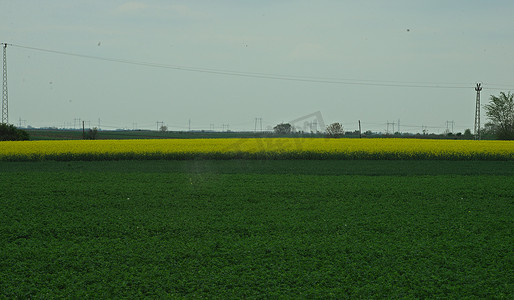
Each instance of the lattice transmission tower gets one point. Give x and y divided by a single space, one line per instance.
5 104
478 88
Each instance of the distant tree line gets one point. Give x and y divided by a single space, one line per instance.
499 110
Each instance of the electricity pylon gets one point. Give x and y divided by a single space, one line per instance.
478 88
5 106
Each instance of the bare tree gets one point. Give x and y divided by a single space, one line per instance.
335 130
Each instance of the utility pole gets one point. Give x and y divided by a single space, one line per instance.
392 123
162 124
360 130
258 121
5 109
23 123
447 126
189 124
478 88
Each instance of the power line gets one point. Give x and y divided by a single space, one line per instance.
496 87
378 83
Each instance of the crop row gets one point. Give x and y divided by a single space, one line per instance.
266 148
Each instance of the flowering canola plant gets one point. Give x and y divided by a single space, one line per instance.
258 148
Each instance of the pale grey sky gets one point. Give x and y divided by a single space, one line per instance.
217 62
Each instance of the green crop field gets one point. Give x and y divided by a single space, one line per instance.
257 229
70 134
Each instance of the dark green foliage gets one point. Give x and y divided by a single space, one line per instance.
299 167
500 111
196 229
283 128
91 134
10 133
299 155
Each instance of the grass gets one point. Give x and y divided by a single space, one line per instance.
77 134
70 134
305 167
234 229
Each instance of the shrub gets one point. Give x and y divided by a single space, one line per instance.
10 133
91 134
283 128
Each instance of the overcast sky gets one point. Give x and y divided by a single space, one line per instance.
219 63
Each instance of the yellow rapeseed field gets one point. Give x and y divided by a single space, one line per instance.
278 148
